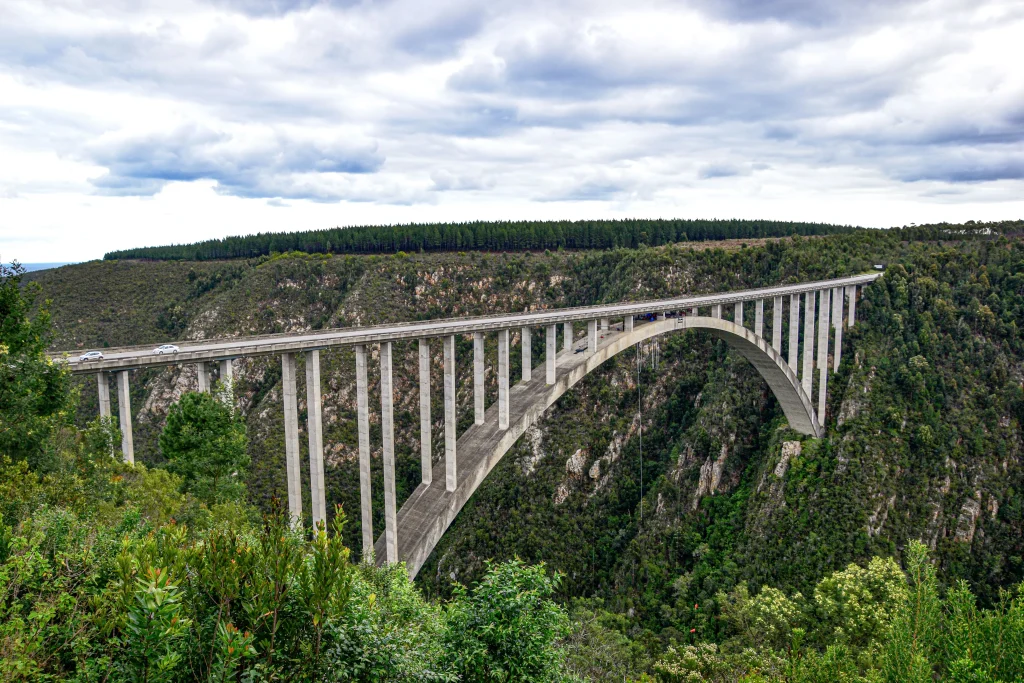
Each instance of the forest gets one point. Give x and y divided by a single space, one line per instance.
480 236
888 550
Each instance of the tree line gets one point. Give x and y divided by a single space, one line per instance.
479 236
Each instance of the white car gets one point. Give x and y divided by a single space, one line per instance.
90 355
165 348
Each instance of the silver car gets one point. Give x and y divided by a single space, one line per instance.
165 348
90 355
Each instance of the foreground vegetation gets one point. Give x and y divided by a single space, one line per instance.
805 567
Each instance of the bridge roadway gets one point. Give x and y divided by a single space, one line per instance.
411 533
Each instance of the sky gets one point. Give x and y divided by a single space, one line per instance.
140 122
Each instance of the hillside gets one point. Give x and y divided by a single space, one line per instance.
924 416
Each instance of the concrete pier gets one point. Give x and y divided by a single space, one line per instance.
314 425
824 303
794 330
567 336
478 378
716 311
450 424
660 316
807 376
103 385
291 438
852 292
693 312
525 340
627 323
737 313
227 373
387 428
837 325
591 337
759 318
604 324
426 462
503 379
124 412
550 352
203 375
777 324
363 428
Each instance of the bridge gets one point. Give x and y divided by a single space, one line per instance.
412 532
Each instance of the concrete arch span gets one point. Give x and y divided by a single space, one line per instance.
430 509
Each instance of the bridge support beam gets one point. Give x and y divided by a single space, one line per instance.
777 324
759 318
550 352
203 376
627 323
737 313
852 291
124 411
824 303
103 385
450 436
363 426
592 336
807 376
716 311
503 379
478 378
525 337
660 316
291 438
837 324
314 425
567 336
604 324
227 374
387 427
426 461
794 329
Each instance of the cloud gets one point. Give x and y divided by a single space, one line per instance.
722 170
262 165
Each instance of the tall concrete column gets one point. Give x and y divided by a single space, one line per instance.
387 428
716 311
450 436
808 369
794 330
478 378
604 324
124 411
363 426
591 337
737 314
627 323
203 375
824 303
227 374
291 438
503 379
103 385
550 353
759 318
852 292
525 334
426 462
314 425
693 311
777 324
660 316
567 336
837 324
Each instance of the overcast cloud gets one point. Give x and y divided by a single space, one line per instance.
145 122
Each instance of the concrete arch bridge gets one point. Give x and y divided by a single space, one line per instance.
412 532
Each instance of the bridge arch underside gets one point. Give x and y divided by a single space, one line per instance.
430 509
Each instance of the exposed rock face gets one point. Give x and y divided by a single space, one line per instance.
967 522
595 470
533 438
790 449
710 476
575 464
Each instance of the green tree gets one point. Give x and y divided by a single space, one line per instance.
505 628
206 445
34 398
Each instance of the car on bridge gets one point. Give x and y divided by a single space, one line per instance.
90 355
165 348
